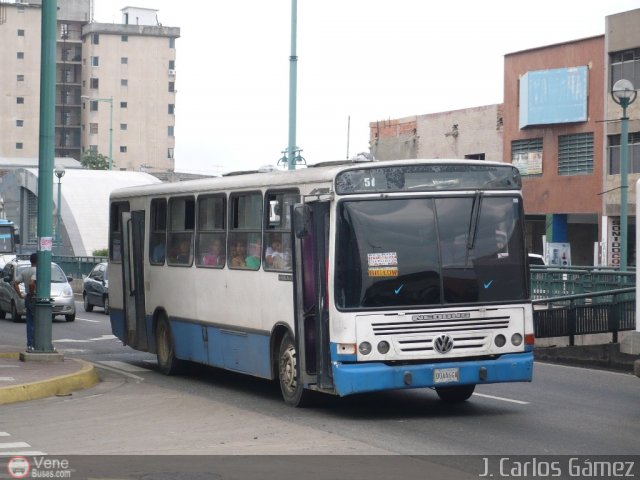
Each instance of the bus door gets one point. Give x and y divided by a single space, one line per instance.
311 240
133 278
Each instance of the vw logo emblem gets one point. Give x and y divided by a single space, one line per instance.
443 343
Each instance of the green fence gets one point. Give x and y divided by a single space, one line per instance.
75 267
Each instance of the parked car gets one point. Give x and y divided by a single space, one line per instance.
61 292
95 291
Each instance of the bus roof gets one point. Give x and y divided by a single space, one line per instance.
323 172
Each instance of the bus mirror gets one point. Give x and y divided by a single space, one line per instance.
16 238
301 220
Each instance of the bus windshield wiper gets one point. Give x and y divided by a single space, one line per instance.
473 221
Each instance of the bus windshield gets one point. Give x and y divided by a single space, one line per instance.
413 252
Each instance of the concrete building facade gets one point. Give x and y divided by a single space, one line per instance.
553 112
622 56
129 67
473 133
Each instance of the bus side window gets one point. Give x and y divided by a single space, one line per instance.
277 240
182 215
211 231
115 230
158 231
245 230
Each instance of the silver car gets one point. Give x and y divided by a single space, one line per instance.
61 293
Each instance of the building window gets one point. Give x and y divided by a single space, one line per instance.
93 148
172 108
170 152
123 126
123 104
633 157
124 60
123 149
95 39
626 64
526 156
95 61
20 55
94 82
172 42
93 128
172 86
575 154
20 32
172 64
20 78
124 38
19 123
19 146
124 82
20 100
475 156
93 105
20 8
170 130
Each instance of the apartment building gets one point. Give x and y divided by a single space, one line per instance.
115 85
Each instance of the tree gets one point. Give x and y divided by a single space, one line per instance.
95 161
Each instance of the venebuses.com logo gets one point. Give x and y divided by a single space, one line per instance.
18 467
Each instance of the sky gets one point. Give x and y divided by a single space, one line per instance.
359 61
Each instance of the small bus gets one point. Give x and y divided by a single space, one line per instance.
8 240
342 278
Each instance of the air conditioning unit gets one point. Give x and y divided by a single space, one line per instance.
172 71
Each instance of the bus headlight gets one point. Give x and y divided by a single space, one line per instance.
383 347
516 339
500 340
364 348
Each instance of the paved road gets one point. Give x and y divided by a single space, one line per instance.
137 410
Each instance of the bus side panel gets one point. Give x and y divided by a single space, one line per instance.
116 315
246 352
350 378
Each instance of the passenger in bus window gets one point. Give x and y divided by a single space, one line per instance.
214 257
239 254
157 254
274 256
182 254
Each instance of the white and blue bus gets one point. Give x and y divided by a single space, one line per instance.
340 278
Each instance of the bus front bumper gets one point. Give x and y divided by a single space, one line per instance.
350 378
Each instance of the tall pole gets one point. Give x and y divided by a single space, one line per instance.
58 210
43 307
624 170
110 133
293 75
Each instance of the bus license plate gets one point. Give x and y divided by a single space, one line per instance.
446 375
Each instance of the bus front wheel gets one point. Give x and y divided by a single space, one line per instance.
293 391
165 351
455 394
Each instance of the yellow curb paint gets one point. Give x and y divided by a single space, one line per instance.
9 354
86 377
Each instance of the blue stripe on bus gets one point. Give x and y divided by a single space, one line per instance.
246 352
375 376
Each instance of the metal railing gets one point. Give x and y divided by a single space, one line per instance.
555 282
74 267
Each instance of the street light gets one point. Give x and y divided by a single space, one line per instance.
59 171
110 102
624 94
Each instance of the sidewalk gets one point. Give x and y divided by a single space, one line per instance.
32 379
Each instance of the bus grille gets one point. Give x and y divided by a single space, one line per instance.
437 326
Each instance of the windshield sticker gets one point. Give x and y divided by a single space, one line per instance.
383 271
382 259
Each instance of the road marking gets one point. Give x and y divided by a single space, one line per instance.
103 337
581 368
119 372
127 367
25 453
5 434
86 340
7 379
87 320
519 402
14 445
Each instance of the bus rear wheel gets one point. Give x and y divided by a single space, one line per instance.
293 391
165 351
455 394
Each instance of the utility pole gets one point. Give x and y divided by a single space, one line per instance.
43 308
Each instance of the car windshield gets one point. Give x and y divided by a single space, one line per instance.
430 251
57 275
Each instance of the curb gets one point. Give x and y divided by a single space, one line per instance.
86 377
